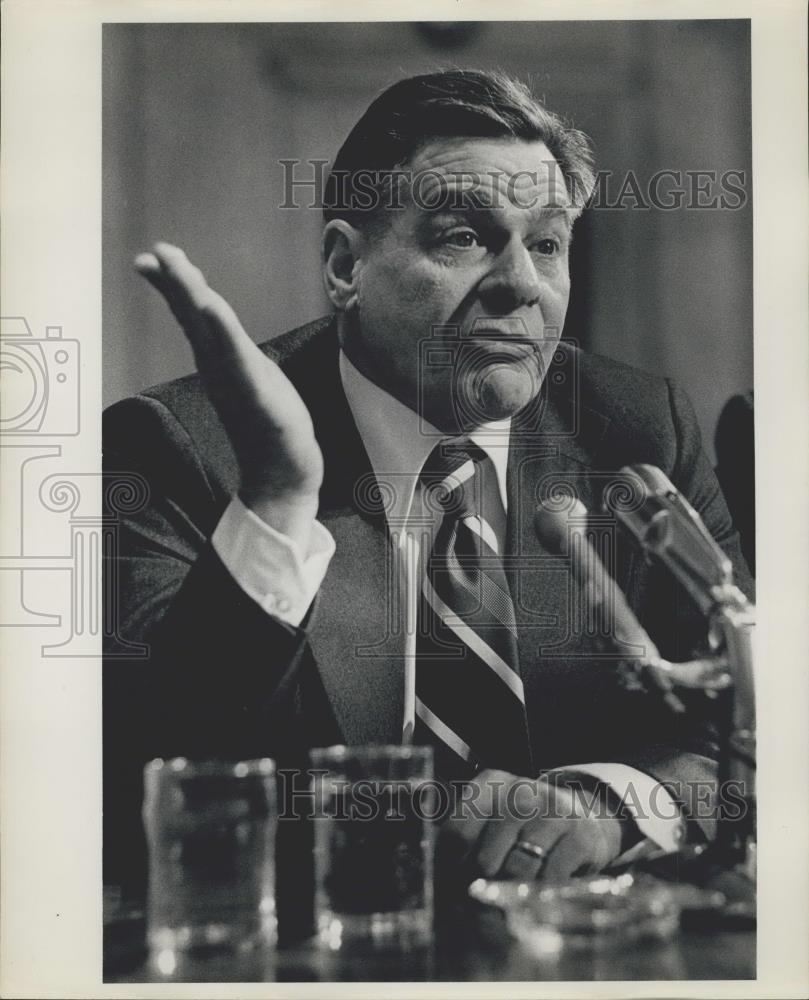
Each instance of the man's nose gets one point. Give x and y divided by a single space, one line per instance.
512 282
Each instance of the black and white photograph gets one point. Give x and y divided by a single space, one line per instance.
456 514
417 572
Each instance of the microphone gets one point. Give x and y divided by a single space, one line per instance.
667 527
565 534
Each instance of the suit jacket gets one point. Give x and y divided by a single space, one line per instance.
223 678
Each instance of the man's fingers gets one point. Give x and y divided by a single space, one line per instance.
182 275
585 848
267 422
566 858
167 270
527 802
208 320
523 860
247 388
147 264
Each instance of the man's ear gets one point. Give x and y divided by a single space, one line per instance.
342 247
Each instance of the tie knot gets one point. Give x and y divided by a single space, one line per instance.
450 477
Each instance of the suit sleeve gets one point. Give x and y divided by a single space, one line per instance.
219 677
212 651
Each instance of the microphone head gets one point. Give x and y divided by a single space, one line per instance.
667 526
552 526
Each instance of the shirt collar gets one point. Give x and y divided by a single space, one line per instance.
399 441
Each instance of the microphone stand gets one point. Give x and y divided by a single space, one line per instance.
732 622
669 529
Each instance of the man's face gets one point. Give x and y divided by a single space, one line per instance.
492 264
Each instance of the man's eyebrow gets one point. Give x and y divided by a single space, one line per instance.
564 211
448 213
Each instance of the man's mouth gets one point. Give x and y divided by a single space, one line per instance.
507 336
500 343
505 346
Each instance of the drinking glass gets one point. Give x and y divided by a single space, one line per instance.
210 830
374 844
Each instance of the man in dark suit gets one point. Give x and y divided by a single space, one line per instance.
277 571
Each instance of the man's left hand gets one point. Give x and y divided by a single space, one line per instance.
514 827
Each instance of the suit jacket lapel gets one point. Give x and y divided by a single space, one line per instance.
355 634
552 455
358 646
356 631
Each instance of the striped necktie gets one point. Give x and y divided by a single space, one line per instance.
470 703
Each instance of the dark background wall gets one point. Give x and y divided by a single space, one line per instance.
197 117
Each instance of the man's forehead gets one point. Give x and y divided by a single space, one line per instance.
485 172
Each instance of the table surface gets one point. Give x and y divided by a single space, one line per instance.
473 945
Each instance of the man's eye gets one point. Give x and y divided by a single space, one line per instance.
546 247
462 238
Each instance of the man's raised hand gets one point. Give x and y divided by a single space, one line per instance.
266 420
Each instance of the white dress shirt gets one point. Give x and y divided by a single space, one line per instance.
283 580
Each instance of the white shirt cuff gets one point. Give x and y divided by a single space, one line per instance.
647 801
269 566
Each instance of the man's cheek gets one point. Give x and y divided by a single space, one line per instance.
554 309
422 288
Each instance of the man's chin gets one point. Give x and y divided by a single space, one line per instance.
499 393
